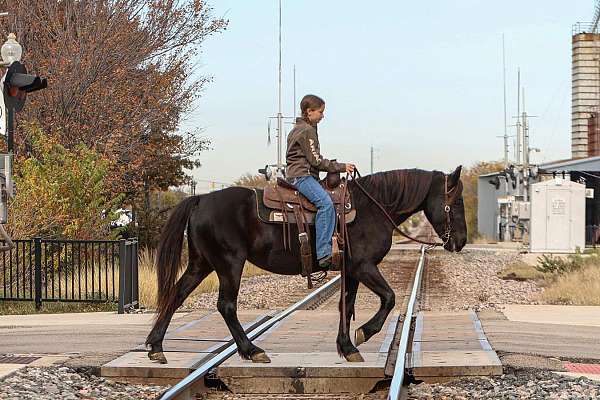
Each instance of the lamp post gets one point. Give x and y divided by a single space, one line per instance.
11 51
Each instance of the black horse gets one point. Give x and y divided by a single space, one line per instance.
223 231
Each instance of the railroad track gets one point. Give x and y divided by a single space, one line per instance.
321 297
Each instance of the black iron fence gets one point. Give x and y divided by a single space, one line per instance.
71 271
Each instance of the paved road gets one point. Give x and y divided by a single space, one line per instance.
551 340
96 337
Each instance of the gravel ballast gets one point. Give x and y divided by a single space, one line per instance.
469 280
63 383
533 386
262 292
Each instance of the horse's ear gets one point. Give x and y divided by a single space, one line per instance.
454 177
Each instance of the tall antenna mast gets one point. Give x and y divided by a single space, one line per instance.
504 84
279 114
295 91
519 140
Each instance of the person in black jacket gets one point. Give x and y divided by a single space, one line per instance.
304 161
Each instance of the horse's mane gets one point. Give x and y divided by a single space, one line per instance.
398 190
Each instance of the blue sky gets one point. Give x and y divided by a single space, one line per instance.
419 81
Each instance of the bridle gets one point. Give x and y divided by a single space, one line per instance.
448 202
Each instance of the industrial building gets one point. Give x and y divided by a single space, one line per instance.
556 205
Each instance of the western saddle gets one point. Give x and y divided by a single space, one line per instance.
288 206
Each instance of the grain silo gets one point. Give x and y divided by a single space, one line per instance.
585 89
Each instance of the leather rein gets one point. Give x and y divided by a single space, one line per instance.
447 208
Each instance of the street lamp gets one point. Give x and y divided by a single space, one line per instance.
11 50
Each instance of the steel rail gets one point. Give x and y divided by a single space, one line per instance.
188 381
398 378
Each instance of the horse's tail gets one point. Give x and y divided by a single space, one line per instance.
168 255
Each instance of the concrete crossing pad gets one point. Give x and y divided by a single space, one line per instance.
451 344
185 347
304 358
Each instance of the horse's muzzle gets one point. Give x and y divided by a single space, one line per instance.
454 245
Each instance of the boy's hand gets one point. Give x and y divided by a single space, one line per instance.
350 167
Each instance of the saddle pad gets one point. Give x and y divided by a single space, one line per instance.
277 216
266 214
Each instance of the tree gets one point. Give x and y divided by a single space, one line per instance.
469 179
121 78
61 193
151 218
252 181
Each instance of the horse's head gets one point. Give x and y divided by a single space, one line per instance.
445 210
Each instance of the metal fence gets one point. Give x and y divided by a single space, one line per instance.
71 271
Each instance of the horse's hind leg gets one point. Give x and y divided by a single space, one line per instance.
197 270
372 278
229 269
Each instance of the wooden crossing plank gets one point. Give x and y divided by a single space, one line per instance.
185 347
304 358
447 345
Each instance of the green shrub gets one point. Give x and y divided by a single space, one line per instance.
573 262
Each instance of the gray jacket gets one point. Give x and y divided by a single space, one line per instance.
303 155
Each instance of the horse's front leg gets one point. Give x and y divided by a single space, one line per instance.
344 344
372 278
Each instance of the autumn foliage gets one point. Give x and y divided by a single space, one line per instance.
122 75
252 181
60 192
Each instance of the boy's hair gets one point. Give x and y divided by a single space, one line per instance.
310 101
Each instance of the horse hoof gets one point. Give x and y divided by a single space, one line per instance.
260 358
354 357
158 356
359 337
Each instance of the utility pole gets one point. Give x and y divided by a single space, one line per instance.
279 114
295 115
280 164
519 140
504 88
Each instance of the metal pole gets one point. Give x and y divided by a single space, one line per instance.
525 135
10 127
135 295
504 87
122 266
525 152
295 115
371 159
279 114
519 140
37 243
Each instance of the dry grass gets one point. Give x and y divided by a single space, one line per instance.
28 307
581 287
520 271
147 279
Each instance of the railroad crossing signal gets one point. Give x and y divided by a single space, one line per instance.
17 83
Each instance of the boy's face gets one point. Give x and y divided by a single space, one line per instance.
316 115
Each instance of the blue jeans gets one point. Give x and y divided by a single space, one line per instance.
325 220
